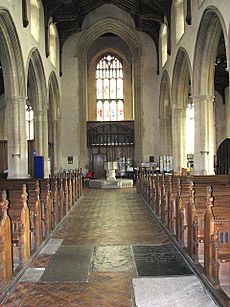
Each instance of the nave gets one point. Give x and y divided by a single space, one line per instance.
99 256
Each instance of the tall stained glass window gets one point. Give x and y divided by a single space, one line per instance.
109 85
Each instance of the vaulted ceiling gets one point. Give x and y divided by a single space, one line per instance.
148 15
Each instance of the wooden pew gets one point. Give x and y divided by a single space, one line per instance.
20 217
54 201
196 210
45 196
34 205
5 243
60 198
216 221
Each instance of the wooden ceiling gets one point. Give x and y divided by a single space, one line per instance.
69 14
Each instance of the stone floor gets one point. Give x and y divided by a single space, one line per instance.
104 231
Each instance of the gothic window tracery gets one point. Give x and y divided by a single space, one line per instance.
109 86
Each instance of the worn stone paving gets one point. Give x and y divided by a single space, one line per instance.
103 218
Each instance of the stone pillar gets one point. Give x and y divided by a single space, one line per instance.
38 132
45 143
204 135
138 117
177 137
16 138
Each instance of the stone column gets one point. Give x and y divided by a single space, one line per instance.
177 138
16 138
45 142
204 135
38 132
138 117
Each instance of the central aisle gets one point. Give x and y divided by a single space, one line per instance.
108 238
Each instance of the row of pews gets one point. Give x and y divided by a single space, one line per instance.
29 210
196 212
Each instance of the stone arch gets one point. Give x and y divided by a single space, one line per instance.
210 29
15 95
180 88
37 94
110 25
165 114
54 122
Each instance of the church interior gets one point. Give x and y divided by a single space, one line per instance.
114 153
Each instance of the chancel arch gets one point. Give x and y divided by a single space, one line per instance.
117 28
13 98
181 98
205 82
37 99
165 115
53 123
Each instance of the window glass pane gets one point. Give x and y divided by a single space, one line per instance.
120 89
120 110
109 87
99 89
113 107
99 111
106 111
106 89
113 86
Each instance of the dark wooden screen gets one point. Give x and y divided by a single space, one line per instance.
223 158
113 140
3 156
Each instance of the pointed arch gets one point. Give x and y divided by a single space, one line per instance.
110 25
209 32
165 114
54 122
37 94
35 66
15 95
181 84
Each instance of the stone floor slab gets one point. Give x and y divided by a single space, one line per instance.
112 259
32 275
69 264
175 291
51 247
161 260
